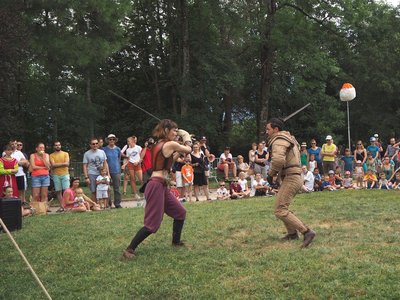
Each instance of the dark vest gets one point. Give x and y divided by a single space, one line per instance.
158 161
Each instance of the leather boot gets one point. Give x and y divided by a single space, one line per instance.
290 236
309 235
176 233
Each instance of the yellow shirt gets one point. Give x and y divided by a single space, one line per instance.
328 148
58 158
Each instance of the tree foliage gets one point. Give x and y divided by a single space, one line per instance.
219 68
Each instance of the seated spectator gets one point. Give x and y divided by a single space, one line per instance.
338 177
69 198
243 184
384 183
236 190
332 179
370 179
348 160
79 200
226 163
326 184
222 192
317 180
308 179
396 183
387 168
259 185
27 210
174 191
348 181
359 171
243 167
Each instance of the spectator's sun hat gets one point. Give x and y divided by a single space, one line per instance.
376 135
303 144
331 172
347 173
328 138
372 139
111 136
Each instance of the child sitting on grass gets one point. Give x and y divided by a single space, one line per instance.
396 183
326 184
222 192
317 180
383 183
332 179
312 164
338 177
79 200
25 210
348 181
370 179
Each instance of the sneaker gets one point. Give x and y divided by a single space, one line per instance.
179 244
60 210
309 235
129 254
137 197
290 236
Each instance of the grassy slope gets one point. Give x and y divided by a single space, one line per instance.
235 252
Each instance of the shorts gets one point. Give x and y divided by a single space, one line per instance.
178 179
93 184
39 181
188 184
61 182
101 194
21 182
136 168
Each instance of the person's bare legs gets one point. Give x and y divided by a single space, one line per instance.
36 194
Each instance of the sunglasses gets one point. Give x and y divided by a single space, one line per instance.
173 184
313 143
19 144
95 144
111 139
222 185
359 144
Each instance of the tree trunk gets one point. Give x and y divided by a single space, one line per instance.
228 100
89 101
267 61
185 57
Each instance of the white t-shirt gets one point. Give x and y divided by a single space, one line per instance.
309 180
222 191
18 155
103 186
224 157
243 184
133 153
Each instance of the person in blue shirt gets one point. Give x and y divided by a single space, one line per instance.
348 160
113 154
373 148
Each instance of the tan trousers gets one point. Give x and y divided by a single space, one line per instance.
291 184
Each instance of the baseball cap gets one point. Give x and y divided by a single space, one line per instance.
347 173
303 144
376 135
331 172
328 137
372 139
203 138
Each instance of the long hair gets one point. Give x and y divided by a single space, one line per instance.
160 130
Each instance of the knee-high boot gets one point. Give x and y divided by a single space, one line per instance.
176 232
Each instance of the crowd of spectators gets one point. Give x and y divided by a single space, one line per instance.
325 168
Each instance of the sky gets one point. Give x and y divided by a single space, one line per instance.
393 2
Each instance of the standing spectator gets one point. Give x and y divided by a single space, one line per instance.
23 164
371 162
252 155
328 152
8 169
373 148
359 171
316 151
113 153
199 180
348 160
124 168
303 154
177 166
40 165
392 150
261 160
93 161
360 154
146 159
59 161
135 155
379 145
243 167
308 180
188 176
226 163
387 168
207 153
103 184
312 163
101 142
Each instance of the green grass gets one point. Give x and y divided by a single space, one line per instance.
235 252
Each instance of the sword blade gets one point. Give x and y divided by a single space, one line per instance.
296 112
